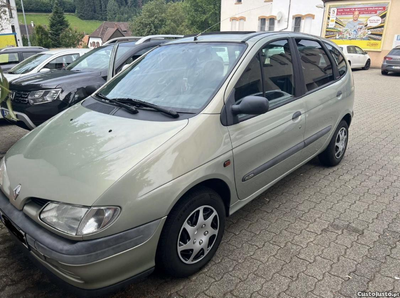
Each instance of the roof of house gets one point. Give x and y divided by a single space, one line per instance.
107 29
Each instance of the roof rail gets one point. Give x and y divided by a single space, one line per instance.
122 39
150 37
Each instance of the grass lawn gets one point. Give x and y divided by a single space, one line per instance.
76 23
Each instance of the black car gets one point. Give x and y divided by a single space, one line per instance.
38 97
9 57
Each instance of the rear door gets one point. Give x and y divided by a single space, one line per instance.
322 91
353 56
267 146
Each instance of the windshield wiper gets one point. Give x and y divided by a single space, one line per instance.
129 108
140 103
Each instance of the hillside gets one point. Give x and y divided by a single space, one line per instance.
43 19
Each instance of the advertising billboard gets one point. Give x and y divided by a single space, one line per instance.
357 23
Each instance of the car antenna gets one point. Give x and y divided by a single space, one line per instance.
198 35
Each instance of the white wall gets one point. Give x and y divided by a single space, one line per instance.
10 19
251 10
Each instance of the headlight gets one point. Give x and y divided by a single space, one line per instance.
76 220
2 169
43 96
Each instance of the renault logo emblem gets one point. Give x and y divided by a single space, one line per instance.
17 190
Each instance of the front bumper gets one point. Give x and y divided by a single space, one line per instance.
91 264
23 120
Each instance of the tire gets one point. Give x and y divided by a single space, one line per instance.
178 232
330 157
367 65
384 72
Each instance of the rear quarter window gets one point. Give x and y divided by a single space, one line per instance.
339 59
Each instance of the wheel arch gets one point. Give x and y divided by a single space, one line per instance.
347 118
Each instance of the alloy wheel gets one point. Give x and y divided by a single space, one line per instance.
341 142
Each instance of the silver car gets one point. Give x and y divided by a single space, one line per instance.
144 172
391 62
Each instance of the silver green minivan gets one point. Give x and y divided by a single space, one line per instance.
144 172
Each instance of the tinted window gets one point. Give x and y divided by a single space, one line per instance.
250 83
179 76
27 54
351 50
339 59
61 62
9 58
317 68
29 64
277 68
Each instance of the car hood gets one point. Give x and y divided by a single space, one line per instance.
10 76
51 79
77 155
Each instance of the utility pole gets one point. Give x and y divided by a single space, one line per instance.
26 26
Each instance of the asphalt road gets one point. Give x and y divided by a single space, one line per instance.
318 233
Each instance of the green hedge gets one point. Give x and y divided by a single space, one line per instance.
44 6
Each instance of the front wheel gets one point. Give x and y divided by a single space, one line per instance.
192 233
367 65
336 149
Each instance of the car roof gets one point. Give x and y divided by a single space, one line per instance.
65 51
240 36
23 49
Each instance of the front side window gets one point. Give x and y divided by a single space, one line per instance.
339 59
9 58
29 64
96 59
277 68
317 68
250 83
182 77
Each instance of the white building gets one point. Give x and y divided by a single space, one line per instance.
272 15
10 34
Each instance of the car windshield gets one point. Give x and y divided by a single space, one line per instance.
29 64
178 76
395 52
97 59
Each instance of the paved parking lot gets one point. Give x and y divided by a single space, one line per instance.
318 233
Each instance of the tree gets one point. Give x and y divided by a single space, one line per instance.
151 20
57 24
203 14
176 21
112 10
42 37
70 38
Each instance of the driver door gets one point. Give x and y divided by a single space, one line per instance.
267 146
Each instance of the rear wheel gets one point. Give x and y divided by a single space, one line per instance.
336 149
384 72
192 233
367 65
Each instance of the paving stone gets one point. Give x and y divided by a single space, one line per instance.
302 286
223 286
318 268
328 287
293 268
268 269
333 252
276 285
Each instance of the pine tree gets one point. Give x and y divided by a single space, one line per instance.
57 24
112 10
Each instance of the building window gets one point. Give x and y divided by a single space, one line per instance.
266 23
271 24
297 24
237 24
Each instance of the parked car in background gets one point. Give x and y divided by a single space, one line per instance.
356 56
145 170
391 63
44 62
38 97
9 57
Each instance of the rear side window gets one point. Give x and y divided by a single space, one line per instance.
395 52
351 50
277 68
9 58
27 54
339 59
317 68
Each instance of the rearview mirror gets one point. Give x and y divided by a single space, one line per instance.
44 70
251 105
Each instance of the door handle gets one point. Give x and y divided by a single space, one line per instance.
296 115
339 95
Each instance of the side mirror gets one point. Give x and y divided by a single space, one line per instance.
44 70
251 105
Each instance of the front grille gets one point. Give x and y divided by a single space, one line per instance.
39 202
20 96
